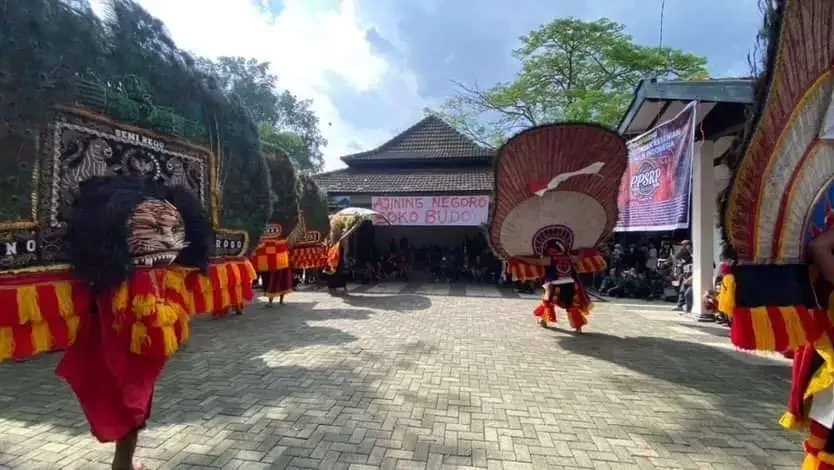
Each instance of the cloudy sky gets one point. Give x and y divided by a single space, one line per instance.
371 66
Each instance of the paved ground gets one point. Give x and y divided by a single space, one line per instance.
424 377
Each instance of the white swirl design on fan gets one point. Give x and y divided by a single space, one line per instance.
592 169
581 213
792 144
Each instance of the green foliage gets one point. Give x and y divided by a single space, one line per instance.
250 80
294 145
570 70
44 45
283 187
312 203
284 120
127 66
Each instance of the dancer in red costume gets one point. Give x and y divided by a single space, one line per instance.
124 235
555 201
562 288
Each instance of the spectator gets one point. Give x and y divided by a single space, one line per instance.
609 282
685 291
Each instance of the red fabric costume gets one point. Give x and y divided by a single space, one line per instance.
122 347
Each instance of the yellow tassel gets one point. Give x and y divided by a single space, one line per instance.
185 328
27 305
120 299
762 329
810 463
170 338
727 295
138 338
72 326
250 270
789 421
143 305
166 314
6 343
175 280
223 280
236 282
208 298
63 291
41 337
205 285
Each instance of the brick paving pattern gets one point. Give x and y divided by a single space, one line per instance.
405 376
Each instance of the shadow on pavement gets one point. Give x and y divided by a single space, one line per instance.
397 303
229 368
712 390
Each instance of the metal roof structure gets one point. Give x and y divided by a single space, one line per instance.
721 104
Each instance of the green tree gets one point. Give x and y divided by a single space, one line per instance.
282 118
570 70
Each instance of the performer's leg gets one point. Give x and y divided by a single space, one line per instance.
546 311
125 449
281 299
577 319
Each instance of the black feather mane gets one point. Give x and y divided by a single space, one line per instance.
96 237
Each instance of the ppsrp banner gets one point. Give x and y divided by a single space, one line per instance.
656 187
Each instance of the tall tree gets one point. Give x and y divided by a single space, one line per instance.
284 119
570 70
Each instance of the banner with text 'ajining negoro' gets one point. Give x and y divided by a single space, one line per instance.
433 210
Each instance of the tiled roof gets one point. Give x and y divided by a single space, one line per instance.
429 139
402 180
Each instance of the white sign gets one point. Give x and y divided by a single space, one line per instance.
433 210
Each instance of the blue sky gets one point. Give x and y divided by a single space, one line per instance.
372 65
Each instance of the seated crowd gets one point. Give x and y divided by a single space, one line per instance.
441 264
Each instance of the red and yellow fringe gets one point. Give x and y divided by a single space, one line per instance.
271 254
520 271
333 258
227 287
775 329
584 261
311 256
816 458
155 304
589 261
39 312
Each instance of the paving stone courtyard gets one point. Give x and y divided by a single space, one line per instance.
429 376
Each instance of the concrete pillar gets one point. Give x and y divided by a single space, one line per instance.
703 221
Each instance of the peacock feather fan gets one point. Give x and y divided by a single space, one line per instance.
781 194
283 188
556 183
125 67
314 223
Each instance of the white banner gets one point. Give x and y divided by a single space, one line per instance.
433 210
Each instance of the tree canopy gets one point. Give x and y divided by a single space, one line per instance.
570 70
283 119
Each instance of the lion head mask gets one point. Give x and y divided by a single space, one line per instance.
120 222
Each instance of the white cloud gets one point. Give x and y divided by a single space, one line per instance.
306 45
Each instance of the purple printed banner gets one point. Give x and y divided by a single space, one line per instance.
656 187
